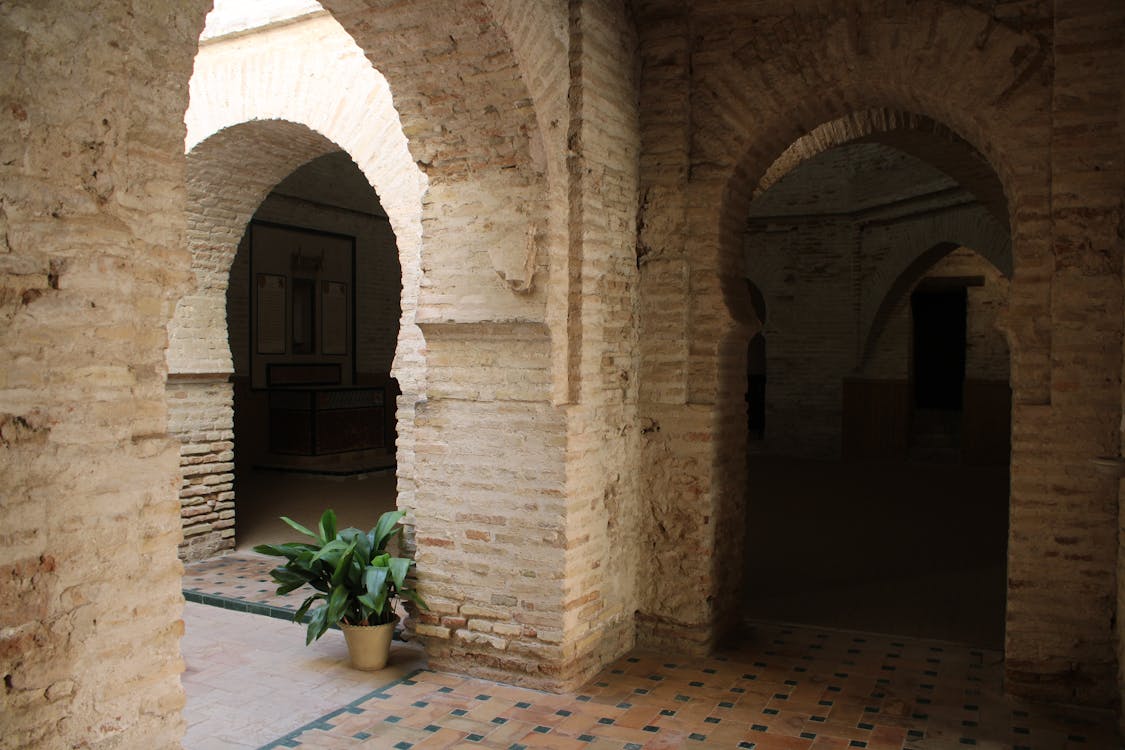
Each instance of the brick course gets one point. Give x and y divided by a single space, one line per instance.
568 184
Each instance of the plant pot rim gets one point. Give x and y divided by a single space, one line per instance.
343 624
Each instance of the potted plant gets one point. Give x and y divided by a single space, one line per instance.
357 583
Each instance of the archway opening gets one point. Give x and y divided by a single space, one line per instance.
756 370
877 499
287 150
313 309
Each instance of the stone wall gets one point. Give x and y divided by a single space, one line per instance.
862 69
579 421
837 306
603 559
92 261
264 104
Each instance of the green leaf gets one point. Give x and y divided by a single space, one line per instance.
399 567
318 625
379 600
386 527
298 527
352 535
337 604
291 550
285 588
304 608
286 574
341 568
366 606
331 552
327 525
363 547
375 580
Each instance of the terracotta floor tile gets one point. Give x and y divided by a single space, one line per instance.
786 688
829 743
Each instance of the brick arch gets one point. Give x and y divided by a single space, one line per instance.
751 101
763 106
471 123
925 243
906 279
228 176
917 135
749 113
321 90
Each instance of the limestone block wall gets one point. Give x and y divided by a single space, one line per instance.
92 261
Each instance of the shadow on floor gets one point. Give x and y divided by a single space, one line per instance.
266 495
912 549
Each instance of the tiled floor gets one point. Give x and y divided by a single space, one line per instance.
250 679
785 688
240 581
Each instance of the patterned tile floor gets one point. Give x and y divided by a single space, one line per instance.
784 688
241 582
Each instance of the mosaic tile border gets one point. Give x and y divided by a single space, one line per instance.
290 740
241 605
256 608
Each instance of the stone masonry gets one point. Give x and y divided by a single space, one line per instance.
569 185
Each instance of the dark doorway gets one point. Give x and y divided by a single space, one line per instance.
756 387
939 348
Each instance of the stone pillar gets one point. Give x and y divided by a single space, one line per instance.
92 260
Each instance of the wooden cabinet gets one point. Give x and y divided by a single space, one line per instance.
319 421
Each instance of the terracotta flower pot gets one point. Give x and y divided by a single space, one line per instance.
368 645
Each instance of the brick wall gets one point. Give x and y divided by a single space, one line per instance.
91 263
831 263
585 311
749 97
603 559
259 111
1063 571
200 415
